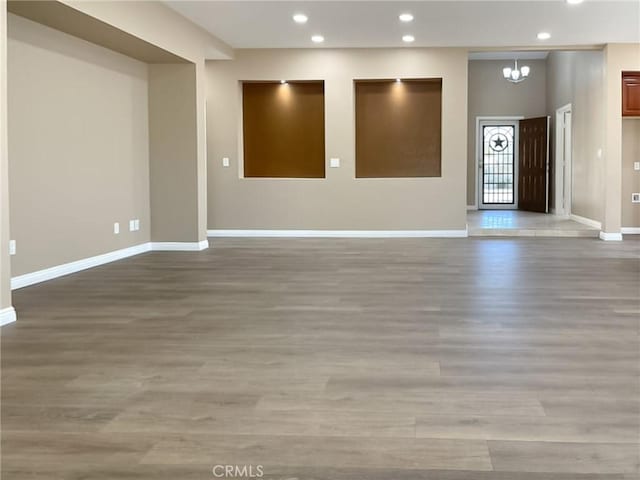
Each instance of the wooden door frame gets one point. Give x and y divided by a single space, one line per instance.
563 184
478 178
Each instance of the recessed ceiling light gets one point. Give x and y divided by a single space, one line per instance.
283 82
398 80
300 18
574 2
544 36
317 39
405 17
408 38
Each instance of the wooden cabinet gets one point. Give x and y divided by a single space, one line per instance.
631 94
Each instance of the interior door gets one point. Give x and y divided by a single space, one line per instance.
533 163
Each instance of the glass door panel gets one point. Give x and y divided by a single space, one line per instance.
498 166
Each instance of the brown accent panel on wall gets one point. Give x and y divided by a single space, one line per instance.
283 129
398 128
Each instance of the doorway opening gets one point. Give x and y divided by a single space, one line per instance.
520 172
512 158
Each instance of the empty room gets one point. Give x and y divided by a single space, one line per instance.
320 240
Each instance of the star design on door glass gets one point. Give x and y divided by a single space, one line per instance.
498 142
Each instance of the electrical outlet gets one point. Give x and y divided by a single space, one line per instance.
334 162
116 228
12 247
225 162
635 198
636 166
132 225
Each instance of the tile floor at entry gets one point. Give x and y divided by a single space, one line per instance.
517 223
331 359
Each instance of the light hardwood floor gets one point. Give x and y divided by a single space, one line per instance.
319 359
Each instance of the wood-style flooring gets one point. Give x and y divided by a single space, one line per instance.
332 359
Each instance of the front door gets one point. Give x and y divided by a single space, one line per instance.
498 165
533 165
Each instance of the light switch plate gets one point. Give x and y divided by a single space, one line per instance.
136 224
225 162
635 198
636 165
12 247
132 225
334 162
116 228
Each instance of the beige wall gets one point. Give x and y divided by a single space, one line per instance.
630 177
576 77
173 152
618 57
491 95
339 201
62 17
150 21
156 23
78 147
5 264
200 189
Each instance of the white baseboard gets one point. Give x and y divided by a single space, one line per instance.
179 246
7 315
67 268
472 207
341 233
586 221
610 237
630 230
32 278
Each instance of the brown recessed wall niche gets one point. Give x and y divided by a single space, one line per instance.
283 129
398 128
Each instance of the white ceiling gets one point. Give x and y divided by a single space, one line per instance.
455 23
509 55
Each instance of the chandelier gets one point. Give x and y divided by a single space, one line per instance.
515 74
